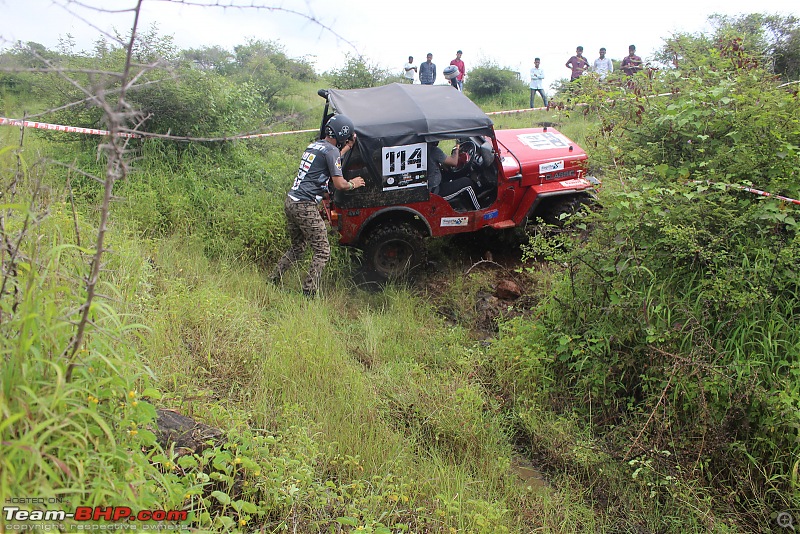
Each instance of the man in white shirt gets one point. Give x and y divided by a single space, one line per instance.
410 70
537 75
602 65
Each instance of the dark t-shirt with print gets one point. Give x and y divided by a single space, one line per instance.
631 64
319 162
579 66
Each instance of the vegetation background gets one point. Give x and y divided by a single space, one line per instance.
647 382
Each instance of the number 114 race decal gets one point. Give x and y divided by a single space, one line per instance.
405 166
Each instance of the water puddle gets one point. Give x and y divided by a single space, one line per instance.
523 468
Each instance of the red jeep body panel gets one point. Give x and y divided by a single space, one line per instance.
533 164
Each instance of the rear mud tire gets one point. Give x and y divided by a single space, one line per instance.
393 252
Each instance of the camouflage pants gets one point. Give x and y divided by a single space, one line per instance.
305 226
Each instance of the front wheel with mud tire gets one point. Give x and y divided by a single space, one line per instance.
392 252
557 210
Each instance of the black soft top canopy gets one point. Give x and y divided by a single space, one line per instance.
403 113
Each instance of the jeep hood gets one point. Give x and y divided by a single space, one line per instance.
537 151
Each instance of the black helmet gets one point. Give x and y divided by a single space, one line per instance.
341 128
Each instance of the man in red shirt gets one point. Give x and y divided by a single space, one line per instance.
631 64
578 64
461 70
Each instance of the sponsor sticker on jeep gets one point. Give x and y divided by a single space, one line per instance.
544 140
552 166
454 221
491 215
578 182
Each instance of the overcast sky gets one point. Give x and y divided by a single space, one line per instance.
509 33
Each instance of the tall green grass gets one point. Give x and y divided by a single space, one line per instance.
69 440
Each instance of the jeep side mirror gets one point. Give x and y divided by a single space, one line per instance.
323 93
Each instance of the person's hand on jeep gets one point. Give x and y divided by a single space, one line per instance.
347 185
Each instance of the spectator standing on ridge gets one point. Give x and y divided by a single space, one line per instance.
410 70
427 71
602 65
320 163
461 71
631 64
577 63
537 75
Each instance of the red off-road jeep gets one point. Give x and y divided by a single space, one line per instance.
513 175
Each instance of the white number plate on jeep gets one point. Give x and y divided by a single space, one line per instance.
405 159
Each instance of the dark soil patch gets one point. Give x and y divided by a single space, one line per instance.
500 288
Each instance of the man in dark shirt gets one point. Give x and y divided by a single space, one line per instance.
577 63
427 71
631 64
437 157
320 163
451 189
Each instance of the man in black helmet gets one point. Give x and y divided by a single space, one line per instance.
320 163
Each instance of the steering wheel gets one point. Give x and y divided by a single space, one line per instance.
468 150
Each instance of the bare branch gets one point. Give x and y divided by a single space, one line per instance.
116 169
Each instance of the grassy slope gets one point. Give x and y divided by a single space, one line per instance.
364 407
376 378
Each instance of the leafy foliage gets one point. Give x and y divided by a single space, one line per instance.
674 321
769 40
358 73
266 66
488 79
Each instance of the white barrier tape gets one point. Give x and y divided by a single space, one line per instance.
93 131
578 105
514 111
58 127
750 190
767 194
273 134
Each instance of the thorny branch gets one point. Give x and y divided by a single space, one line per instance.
121 119
116 169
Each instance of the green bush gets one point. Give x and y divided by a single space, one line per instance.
673 324
358 73
488 80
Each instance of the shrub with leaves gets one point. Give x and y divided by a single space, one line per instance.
674 322
489 79
358 73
